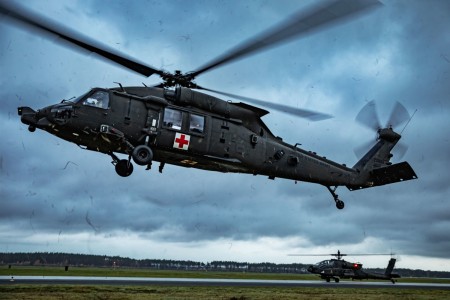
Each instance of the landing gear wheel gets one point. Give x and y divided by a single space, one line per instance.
336 280
328 279
339 203
124 168
142 155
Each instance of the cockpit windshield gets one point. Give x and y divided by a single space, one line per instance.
98 99
79 98
324 264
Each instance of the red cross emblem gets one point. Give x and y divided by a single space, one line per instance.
181 141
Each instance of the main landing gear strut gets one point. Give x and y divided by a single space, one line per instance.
142 155
339 203
336 279
124 167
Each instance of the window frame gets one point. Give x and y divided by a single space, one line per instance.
191 129
171 127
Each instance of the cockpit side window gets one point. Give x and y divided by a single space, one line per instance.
173 118
324 263
98 99
196 123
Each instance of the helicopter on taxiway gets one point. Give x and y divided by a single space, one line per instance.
338 268
173 123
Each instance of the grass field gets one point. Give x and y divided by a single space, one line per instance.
45 291
128 272
49 292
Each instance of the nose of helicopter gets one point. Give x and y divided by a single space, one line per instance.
310 269
34 119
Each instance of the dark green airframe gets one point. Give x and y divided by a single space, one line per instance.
174 123
338 268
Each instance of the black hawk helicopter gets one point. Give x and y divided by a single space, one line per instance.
338 268
174 123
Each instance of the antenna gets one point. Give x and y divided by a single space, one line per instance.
408 121
121 87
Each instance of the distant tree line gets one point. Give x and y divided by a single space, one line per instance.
67 259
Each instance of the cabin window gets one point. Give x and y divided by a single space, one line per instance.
98 99
173 118
196 123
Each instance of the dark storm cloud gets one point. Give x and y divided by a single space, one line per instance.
399 52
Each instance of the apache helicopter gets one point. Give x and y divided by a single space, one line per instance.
339 268
174 123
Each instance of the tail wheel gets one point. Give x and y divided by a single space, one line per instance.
340 204
142 155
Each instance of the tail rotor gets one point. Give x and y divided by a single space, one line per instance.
375 166
368 117
399 115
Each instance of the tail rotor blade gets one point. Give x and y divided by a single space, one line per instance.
399 115
363 149
368 116
399 150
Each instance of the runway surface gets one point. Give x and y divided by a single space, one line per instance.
82 280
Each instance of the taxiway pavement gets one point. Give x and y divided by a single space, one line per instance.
83 280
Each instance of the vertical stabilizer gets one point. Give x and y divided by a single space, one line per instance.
376 165
390 267
380 154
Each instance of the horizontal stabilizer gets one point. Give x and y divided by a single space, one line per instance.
387 175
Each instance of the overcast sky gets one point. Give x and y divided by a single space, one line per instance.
57 197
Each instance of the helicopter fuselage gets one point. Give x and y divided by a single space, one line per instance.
340 269
186 128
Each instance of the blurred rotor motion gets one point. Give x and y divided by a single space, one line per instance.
340 255
320 16
297 112
172 124
369 118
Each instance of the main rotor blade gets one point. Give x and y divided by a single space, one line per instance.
302 22
297 112
398 116
309 255
368 116
345 254
369 254
37 21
